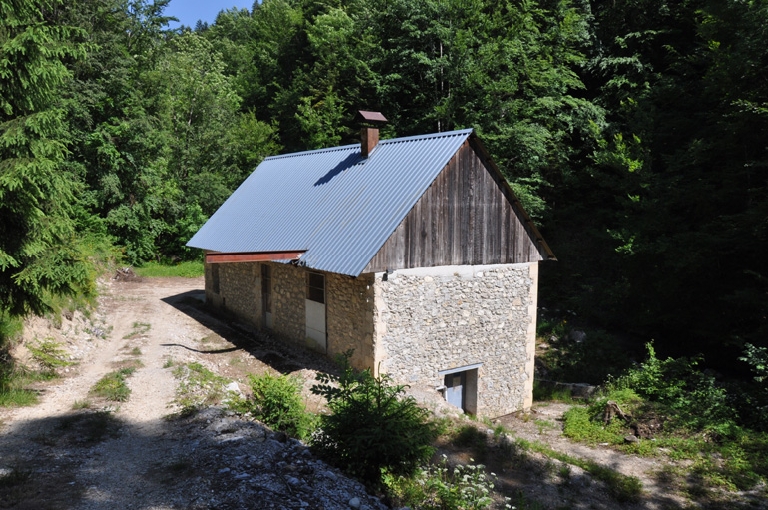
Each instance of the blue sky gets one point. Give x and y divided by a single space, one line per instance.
189 11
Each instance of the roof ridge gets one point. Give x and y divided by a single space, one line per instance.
442 134
411 138
313 151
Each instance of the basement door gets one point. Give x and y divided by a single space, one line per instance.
454 388
314 307
461 386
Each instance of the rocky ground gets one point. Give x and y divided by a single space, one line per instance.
75 451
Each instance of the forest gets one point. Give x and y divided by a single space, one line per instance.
633 131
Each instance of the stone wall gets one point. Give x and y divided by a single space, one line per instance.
349 315
288 294
349 305
435 319
239 290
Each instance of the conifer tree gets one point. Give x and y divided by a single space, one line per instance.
38 251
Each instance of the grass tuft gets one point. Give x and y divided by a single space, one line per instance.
197 387
113 386
139 329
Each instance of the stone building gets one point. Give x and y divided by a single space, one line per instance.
412 252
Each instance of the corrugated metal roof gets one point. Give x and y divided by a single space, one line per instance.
330 203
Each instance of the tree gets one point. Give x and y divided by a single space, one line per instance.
39 253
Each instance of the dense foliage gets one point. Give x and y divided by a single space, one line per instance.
277 402
671 405
372 428
632 130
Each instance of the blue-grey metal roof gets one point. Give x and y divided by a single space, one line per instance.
337 207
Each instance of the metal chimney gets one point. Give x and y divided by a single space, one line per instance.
369 132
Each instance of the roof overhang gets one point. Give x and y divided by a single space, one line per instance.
264 256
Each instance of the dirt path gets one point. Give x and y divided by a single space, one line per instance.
74 451
63 453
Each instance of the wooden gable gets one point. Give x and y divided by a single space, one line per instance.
468 216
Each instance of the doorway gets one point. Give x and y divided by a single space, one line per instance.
315 312
461 387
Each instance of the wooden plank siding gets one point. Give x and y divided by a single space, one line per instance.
468 216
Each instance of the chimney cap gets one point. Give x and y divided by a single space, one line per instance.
374 118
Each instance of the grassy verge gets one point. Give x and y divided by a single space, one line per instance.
504 449
189 269
724 457
621 487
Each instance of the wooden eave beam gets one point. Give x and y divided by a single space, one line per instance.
264 256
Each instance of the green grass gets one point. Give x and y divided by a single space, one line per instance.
14 383
197 387
16 397
736 461
81 404
469 436
546 393
190 269
113 386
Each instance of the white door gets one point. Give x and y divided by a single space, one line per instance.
454 389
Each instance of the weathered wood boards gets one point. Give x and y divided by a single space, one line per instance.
468 216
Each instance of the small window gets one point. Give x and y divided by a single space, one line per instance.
266 288
316 287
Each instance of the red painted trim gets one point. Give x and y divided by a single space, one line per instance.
219 258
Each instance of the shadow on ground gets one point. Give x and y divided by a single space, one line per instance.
284 357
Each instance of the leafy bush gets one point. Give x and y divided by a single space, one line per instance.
277 402
690 397
757 359
372 426
437 487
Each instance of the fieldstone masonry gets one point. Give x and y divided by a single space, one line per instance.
411 324
349 316
288 294
434 319
239 290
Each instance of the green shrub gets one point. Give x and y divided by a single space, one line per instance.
372 425
49 355
690 397
277 402
437 487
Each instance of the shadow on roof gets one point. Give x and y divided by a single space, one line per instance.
347 162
